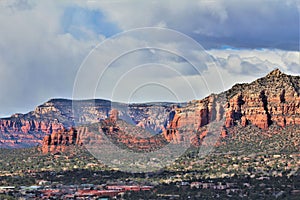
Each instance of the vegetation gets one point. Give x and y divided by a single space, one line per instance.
258 165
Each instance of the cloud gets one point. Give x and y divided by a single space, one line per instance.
247 66
139 57
247 24
43 43
292 61
83 23
38 59
257 62
217 69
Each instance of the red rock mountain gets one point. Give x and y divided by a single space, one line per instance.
274 99
271 100
116 130
25 130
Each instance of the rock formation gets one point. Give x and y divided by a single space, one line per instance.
129 136
271 100
111 129
60 140
23 130
188 122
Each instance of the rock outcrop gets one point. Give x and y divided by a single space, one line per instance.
111 129
273 99
188 122
24 130
60 140
130 136
27 126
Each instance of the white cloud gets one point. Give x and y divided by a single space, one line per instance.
39 58
246 65
258 62
217 69
130 53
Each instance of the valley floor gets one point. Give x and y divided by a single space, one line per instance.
248 165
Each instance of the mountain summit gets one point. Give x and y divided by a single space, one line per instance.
276 73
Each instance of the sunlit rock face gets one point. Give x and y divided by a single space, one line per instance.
24 130
271 100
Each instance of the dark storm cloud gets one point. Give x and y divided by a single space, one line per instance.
242 24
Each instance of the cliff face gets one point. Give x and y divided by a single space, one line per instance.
112 129
130 136
188 122
24 130
27 126
60 140
274 99
271 100
150 116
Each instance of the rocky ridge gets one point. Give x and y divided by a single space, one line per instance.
274 99
270 100
114 129
24 130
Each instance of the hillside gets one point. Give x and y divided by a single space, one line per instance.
248 164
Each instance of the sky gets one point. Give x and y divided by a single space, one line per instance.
135 51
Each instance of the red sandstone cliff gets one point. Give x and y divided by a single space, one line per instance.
25 130
112 128
188 120
271 100
60 140
274 99
26 126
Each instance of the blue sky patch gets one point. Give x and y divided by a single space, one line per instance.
79 21
228 47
